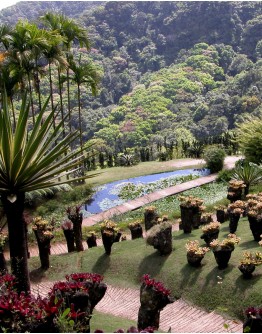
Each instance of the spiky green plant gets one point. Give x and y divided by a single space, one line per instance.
249 173
30 161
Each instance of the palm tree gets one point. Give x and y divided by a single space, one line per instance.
29 161
83 74
71 32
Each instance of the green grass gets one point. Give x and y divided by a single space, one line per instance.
109 323
131 259
143 168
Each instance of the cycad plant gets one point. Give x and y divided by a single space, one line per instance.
30 161
249 173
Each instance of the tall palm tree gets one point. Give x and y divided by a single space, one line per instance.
83 74
72 32
29 162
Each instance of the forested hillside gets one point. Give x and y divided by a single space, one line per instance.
172 71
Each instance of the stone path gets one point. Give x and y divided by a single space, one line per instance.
180 316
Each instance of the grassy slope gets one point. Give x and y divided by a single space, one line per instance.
131 259
143 168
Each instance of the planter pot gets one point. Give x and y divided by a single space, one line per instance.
91 241
163 241
222 257
208 237
187 214
117 237
136 232
235 194
255 225
222 216
44 246
233 222
70 240
194 260
247 270
252 325
108 240
150 219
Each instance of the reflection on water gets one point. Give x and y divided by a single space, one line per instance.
106 196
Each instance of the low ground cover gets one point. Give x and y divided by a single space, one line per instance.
207 286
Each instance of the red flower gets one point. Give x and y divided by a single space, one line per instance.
158 286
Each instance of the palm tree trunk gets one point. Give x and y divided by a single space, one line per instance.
61 100
51 90
68 101
79 118
17 240
13 113
31 98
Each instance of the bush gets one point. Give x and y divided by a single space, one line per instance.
224 175
214 157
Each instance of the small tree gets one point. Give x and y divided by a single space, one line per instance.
214 157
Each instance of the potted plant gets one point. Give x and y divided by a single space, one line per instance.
136 230
110 233
249 262
253 321
150 217
235 210
91 238
221 213
234 191
67 227
190 208
254 214
153 298
43 232
76 217
210 232
3 267
206 218
160 237
195 254
222 249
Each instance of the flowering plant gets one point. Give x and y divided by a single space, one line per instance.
157 286
250 258
44 228
254 312
211 227
150 209
206 217
236 184
191 201
237 207
226 244
134 224
220 207
193 248
90 234
80 277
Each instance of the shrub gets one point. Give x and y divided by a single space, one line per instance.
214 157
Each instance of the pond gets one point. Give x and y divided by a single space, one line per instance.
106 196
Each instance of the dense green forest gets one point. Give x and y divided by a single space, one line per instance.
173 72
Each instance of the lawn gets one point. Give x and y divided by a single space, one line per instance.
208 287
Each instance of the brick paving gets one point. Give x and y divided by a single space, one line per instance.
179 317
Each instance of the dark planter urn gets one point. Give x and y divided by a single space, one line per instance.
255 225
136 232
187 214
233 222
208 237
194 260
221 215
150 219
117 237
234 194
253 325
70 240
247 270
163 241
152 302
91 241
196 217
222 257
44 246
77 228
108 240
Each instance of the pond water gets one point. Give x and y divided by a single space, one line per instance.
106 196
